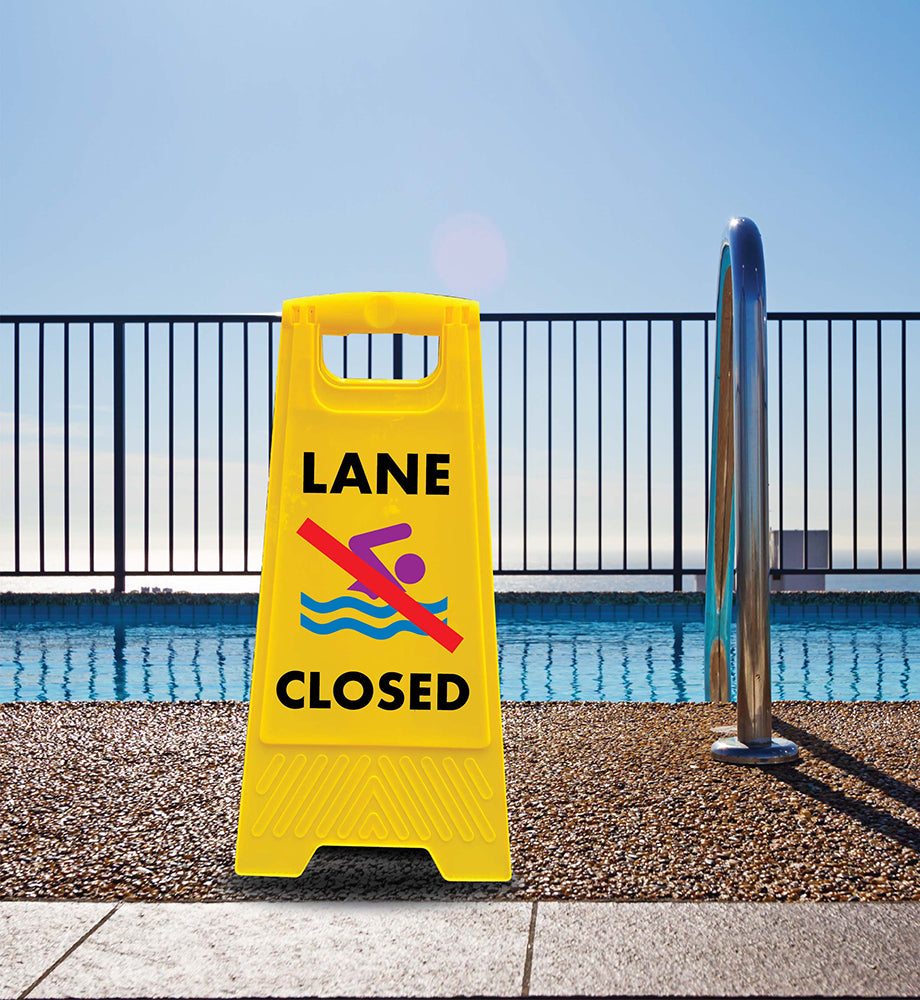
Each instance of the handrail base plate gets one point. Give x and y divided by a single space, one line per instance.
732 751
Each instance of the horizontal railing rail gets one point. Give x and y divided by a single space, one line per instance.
135 446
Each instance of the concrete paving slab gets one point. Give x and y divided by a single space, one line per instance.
718 949
33 936
299 949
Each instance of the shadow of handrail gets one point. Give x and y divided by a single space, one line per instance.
869 816
907 794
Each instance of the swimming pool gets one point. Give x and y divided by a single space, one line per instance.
650 650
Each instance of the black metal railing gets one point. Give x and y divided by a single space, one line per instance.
576 373
137 446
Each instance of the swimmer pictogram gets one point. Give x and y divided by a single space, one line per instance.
378 585
409 568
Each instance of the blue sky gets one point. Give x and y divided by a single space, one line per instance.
539 156
219 157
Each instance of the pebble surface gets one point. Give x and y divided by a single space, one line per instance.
138 801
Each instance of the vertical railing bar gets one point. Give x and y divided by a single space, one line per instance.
574 447
549 442
600 482
805 440
92 447
903 444
246 447
878 398
397 355
500 448
648 438
171 468
16 525
146 447
782 533
854 446
524 417
425 354
220 446
195 474
678 454
370 350
66 447
41 447
830 449
623 328
345 356
271 382
118 407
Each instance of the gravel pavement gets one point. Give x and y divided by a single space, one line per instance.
138 801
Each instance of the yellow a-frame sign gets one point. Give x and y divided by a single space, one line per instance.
374 716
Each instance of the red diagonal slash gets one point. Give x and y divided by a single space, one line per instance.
398 599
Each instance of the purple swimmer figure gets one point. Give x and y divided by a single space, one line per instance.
409 568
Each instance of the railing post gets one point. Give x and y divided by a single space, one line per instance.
678 460
118 405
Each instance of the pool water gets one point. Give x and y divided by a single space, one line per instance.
663 661
634 653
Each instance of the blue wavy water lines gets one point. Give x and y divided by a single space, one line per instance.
365 607
340 624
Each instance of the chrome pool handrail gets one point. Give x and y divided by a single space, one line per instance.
739 492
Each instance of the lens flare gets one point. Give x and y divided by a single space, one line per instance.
469 254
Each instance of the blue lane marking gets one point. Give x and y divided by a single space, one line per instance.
340 624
